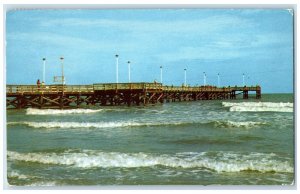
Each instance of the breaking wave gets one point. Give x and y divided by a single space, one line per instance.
259 106
218 161
233 124
115 124
67 125
33 111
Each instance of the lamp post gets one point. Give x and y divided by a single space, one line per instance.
62 70
44 69
117 68
218 79
185 77
128 71
161 79
204 78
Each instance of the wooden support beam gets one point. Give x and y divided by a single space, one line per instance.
128 99
77 101
160 97
12 102
54 101
245 94
31 100
41 101
111 100
138 99
103 100
61 102
258 94
143 97
151 97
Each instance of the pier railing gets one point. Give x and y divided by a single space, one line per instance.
128 86
208 89
48 88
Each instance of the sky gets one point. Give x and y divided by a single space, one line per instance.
230 42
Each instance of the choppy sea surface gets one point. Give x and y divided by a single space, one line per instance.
226 142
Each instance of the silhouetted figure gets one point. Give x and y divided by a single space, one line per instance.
38 83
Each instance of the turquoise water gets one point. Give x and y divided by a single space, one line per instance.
186 143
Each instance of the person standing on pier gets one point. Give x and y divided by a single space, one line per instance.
38 84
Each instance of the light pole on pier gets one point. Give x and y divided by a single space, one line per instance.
129 71
185 77
218 79
161 78
204 78
117 68
243 79
62 71
44 69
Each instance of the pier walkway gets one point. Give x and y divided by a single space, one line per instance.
102 94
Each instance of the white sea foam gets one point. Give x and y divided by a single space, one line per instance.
67 125
259 106
233 124
80 125
115 124
33 111
16 174
220 162
42 183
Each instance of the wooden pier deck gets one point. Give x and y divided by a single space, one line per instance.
74 96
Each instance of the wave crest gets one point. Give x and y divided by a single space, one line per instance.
219 162
233 124
33 111
115 124
68 125
259 106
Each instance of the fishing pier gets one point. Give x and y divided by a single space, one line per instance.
116 94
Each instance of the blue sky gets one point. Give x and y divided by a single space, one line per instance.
257 42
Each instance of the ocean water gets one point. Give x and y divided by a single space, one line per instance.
223 142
